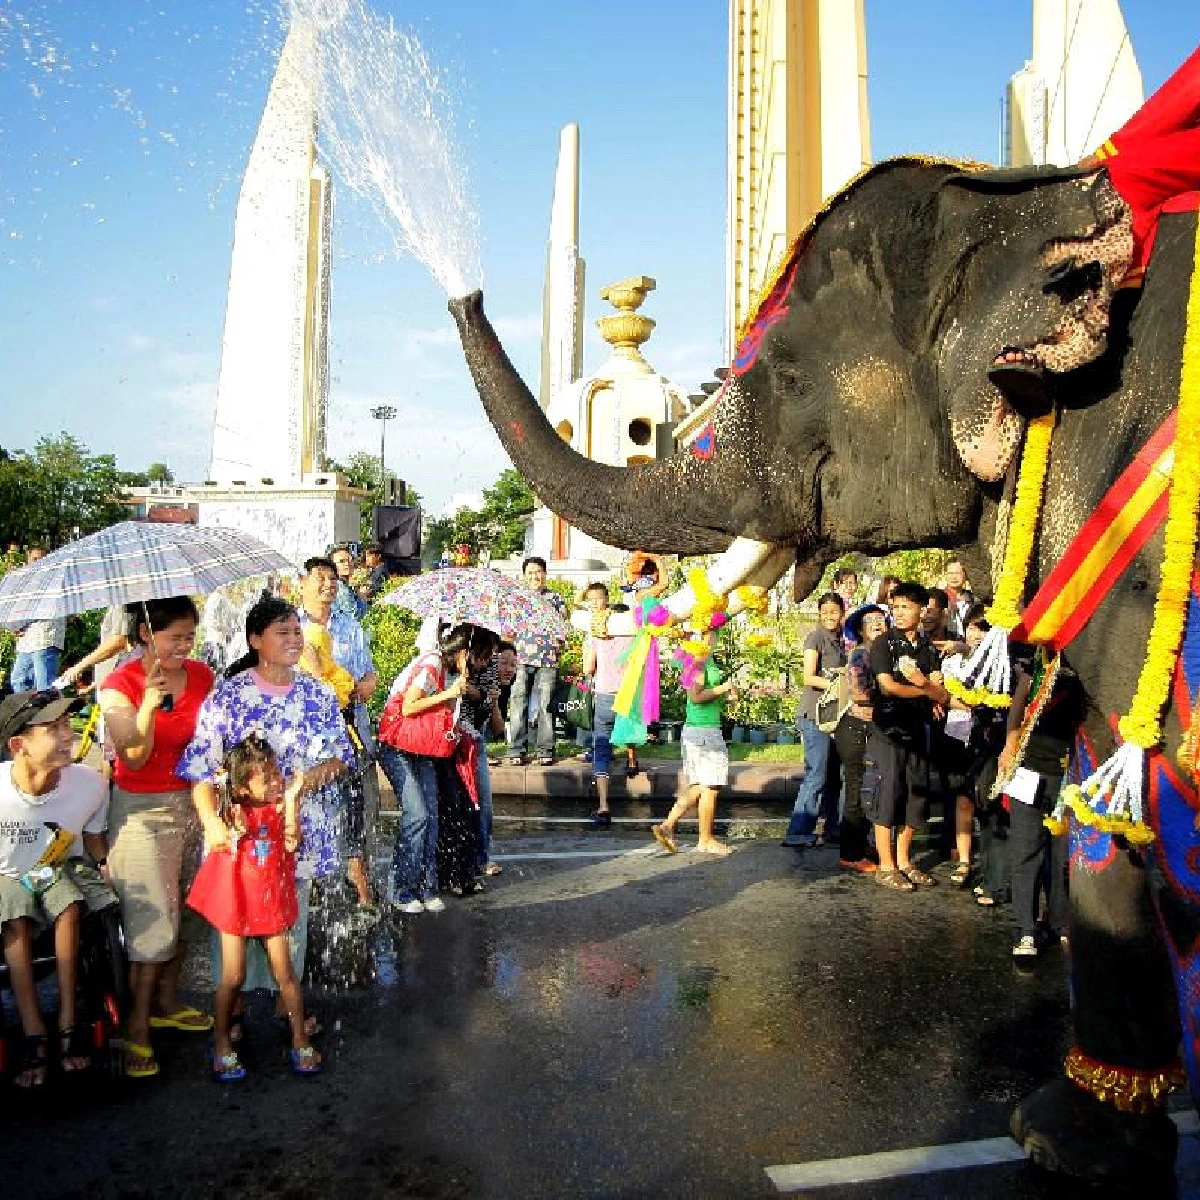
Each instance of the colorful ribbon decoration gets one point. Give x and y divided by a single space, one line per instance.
638 698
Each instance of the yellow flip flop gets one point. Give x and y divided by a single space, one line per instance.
664 839
140 1062
186 1019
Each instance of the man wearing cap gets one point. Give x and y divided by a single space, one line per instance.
51 811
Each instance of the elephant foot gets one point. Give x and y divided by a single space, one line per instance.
1064 1129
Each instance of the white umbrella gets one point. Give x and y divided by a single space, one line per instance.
132 561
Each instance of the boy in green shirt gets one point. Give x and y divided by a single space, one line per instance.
705 760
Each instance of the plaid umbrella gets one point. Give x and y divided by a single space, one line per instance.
471 595
131 561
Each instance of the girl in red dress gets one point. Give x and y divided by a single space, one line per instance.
246 887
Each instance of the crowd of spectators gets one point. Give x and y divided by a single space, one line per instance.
883 738
264 768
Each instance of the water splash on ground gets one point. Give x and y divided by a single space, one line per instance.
385 120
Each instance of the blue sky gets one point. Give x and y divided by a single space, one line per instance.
123 136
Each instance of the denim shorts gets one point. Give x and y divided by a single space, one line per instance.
705 756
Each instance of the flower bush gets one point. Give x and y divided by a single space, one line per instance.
393 633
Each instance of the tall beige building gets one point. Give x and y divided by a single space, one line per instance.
1081 84
798 129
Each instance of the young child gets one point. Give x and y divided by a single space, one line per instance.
248 889
705 759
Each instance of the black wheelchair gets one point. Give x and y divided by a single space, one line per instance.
102 992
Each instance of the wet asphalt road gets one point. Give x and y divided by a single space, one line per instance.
630 1025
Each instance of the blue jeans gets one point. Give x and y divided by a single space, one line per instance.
414 861
538 682
35 671
482 816
818 782
603 718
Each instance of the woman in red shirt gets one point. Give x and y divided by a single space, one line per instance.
150 707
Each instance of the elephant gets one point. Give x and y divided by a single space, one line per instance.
877 401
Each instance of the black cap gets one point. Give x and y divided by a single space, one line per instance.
23 709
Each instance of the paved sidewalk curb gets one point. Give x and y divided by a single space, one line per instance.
569 780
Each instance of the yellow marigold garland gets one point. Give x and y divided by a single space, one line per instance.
1026 515
1111 799
754 600
986 677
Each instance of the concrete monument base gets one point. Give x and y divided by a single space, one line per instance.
297 519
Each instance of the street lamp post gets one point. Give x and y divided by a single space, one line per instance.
383 413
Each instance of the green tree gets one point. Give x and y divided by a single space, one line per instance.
18 496
58 491
158 472
497 526
505 505
362 470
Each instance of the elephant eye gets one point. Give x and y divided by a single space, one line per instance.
791 377
1070 281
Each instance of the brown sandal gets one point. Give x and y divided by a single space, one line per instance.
919 877
895 879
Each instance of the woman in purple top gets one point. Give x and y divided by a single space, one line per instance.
299 718
600 656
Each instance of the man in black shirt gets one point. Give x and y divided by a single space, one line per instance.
908 690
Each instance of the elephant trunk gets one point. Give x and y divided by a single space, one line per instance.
648 507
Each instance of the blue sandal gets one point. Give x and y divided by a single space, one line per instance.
305 1061
227 1068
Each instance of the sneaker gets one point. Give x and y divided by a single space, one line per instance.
411 907
799 841
1026 947
435 904
602 820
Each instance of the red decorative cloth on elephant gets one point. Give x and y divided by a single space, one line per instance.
1153 160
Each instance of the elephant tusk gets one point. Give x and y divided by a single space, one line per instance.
759 564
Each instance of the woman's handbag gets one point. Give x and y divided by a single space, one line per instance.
572 702
432 733
834 702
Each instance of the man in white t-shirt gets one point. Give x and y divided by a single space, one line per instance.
51 811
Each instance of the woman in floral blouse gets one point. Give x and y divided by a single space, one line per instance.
299 717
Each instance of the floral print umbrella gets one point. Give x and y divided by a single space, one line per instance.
476 596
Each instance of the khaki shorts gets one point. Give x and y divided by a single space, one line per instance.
78 883
154 843
705 757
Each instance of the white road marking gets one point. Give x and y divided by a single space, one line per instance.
640 852
889 1164
922 1160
